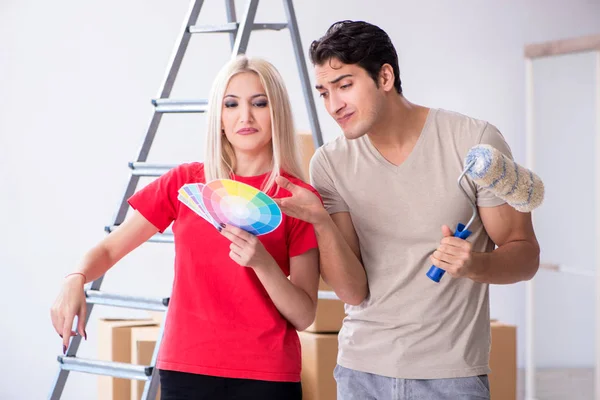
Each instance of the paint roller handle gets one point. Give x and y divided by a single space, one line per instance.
435 273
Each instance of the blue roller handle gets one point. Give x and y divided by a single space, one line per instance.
435 273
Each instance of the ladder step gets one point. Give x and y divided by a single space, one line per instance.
180 106
232 27
117 300
108 368
227 28
147 169
166 237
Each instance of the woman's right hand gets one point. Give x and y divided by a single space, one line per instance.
70 303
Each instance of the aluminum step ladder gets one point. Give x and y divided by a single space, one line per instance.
239 33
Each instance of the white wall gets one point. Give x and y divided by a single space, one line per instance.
75 82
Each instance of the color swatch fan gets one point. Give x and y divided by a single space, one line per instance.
191 196
236 203
226 201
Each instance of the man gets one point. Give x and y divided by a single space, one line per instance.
388 187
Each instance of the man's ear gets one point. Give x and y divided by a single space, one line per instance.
386 77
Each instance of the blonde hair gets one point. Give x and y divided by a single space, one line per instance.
220 160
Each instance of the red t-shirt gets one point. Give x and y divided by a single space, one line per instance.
221 321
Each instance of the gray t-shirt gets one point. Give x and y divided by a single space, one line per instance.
409 326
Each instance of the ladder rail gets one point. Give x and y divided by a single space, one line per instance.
151 385
243 34
164 92
302 69
231 17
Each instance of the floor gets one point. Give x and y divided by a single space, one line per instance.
560 384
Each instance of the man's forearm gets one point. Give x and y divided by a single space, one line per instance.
340 267
513 262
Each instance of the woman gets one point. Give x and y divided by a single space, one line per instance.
230 331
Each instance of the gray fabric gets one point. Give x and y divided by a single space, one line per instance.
356 385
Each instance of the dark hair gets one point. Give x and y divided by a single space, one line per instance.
357 42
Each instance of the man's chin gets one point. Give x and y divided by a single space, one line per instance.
352 134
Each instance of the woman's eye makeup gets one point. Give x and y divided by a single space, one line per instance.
260 103
257 103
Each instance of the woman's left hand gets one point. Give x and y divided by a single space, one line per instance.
246 249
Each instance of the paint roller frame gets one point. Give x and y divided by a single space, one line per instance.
462 231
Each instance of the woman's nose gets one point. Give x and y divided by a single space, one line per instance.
246 114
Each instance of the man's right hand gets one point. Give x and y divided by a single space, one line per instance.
70 303
303 204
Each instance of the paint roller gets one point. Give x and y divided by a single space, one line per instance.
489 168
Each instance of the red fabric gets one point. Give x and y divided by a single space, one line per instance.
221 321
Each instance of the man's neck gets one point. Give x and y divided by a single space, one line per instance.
398 129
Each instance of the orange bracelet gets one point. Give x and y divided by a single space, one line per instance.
77 273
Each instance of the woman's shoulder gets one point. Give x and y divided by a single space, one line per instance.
190 171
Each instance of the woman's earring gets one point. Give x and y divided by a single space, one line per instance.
222 131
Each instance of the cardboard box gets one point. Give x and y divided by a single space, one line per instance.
157 316
143 342
503 361
329 318
114 344
307 150
319 358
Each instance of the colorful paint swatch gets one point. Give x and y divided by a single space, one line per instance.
224 201
191 195
238 204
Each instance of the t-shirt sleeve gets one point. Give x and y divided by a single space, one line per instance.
157 201
492 136
301 236
321 179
